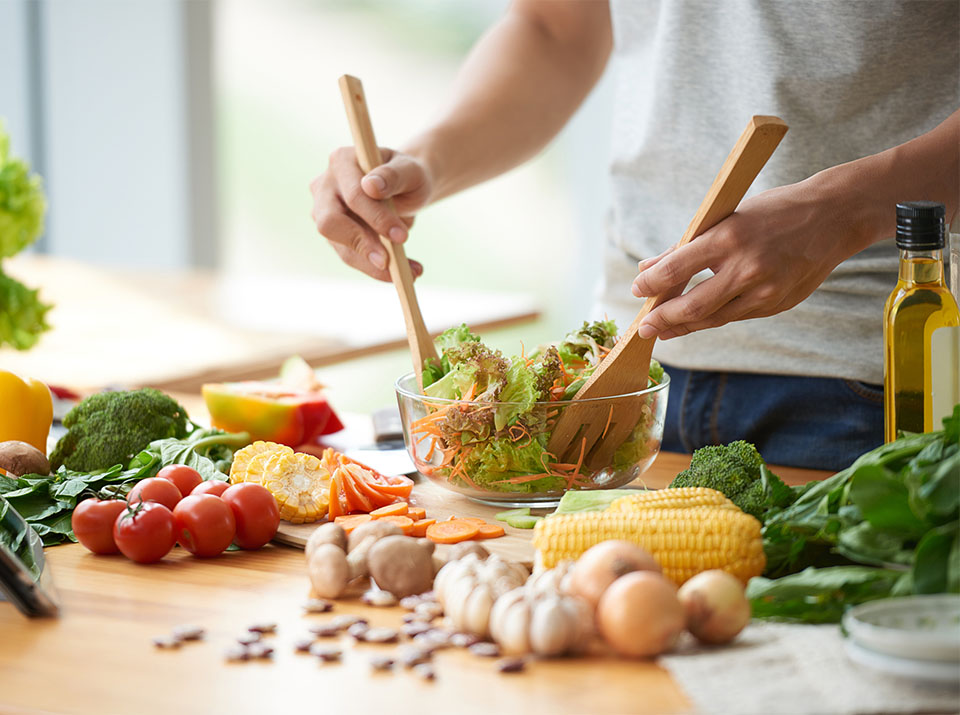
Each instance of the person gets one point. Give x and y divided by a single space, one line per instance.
778 339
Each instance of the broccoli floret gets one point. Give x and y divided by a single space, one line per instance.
109 428
737 470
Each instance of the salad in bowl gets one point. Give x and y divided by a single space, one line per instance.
483 422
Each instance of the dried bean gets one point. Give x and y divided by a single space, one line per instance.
381 635
511 665
260 650
410 602
428 610
325 653
485 649
318 605
188 632
237 653
358 630
166 642
249 638
463 640
416 628
425 671
263 627
325 630
378 598
302 645
345 621
410 656
381 662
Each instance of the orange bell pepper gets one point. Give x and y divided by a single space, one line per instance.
26 410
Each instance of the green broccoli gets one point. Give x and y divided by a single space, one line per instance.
110 428
737 470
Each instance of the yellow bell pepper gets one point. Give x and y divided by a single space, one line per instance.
26 410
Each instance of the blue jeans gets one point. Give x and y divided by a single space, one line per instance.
812 422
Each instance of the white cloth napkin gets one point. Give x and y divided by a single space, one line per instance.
775 668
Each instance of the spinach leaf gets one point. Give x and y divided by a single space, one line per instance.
936 567
883 500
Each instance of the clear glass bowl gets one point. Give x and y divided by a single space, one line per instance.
457 444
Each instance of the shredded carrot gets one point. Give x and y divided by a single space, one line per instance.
490 531
420 527
452 532
398 509
607 426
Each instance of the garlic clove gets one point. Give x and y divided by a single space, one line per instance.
550 627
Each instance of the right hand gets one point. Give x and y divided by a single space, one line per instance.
350 208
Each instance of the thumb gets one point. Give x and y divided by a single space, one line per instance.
400 175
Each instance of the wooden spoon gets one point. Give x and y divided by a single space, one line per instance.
368 156
596 429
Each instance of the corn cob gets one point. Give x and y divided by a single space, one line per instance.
677 498
242 458
298 482
683 541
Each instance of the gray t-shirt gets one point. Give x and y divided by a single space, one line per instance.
850 77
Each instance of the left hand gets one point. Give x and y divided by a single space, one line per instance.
766 257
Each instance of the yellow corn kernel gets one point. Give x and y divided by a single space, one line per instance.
299 483
243 457
677 498
683 541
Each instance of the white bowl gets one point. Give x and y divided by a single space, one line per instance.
914 669
926 628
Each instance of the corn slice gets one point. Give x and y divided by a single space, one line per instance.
243 457
299 483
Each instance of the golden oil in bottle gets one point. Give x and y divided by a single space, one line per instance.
921 365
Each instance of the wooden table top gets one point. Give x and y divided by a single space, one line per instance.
98 656
175 330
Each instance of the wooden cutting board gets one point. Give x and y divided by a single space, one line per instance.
439 504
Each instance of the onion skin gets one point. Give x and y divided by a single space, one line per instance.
715 605
601 565
639 615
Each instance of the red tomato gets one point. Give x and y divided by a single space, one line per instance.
144 532
212 486
205 524
162 491
92 523
256 514
185 478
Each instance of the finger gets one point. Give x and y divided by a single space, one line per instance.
416 268
376 214
675 268
695 305
361 262
652 260
400 175
734 310
356 240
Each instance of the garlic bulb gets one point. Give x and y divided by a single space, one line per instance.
538 618
467 589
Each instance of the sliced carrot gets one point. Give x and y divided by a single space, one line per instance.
420 527
472 519
397 509
404 522
490 531
351 521
335 509
356 501
416 513
452 531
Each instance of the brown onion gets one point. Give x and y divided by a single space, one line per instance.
639 615
601 565
716 606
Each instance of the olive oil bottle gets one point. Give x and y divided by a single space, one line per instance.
921 326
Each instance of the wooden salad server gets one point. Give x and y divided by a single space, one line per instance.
594 430
368 157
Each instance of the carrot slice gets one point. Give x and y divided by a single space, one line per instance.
356 501
335 508
416 513
404 522
472 519
452 531
397 509
490 531
420 527
350 522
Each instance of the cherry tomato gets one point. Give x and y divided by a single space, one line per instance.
256 514
212 486
92 523
205 524
185 478
162 491
144 532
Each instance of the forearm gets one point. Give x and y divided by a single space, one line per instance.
518 87
864 192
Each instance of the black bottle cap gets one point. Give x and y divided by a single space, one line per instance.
920 226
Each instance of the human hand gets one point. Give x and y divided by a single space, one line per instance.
767 257
351 211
